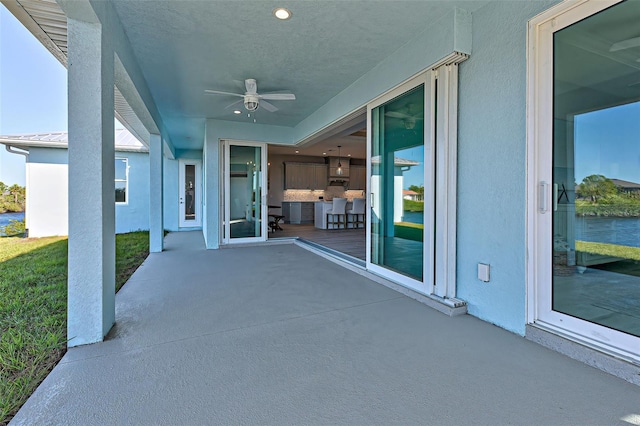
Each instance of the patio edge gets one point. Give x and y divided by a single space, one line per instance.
593 358
426 300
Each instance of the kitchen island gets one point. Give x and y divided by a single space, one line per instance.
321 209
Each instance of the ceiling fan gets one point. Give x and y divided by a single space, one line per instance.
408 118
252 99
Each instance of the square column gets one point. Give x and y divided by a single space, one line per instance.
156 213
91 277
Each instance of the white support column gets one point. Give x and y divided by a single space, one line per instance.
156 213
91 279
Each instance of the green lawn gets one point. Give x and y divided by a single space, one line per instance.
614 250
33 309
409 231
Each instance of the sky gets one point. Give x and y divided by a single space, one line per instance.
33 91
607 142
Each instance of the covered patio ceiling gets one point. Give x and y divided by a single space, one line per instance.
185 47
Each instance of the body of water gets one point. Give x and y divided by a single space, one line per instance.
612 230
413 217
5 218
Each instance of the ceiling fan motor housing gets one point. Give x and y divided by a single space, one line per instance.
251 102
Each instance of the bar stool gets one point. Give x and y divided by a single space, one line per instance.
338 209
357 213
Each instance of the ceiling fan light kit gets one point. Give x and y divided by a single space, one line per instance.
251 102
252 99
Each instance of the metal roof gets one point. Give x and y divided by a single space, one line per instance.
124 140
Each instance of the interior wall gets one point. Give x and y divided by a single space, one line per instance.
492 190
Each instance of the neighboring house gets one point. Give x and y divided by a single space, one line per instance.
626 186
495 97
47 182
408 194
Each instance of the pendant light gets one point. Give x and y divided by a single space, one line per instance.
339 169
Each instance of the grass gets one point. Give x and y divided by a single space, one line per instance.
614 250
33 309
409 231
413 206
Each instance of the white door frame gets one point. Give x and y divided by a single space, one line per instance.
427 284
197 223
225 179
539 178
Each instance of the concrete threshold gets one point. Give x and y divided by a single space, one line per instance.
624 369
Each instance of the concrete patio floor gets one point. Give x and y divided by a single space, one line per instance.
278 335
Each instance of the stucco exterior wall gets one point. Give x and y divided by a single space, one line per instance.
170 200
134 216
492 164
48 200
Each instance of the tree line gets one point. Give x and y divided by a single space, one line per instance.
597 195
12 198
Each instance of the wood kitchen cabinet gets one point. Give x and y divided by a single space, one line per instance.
358 178
305 176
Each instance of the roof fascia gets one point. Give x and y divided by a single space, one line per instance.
30 24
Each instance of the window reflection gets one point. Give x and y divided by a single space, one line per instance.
397 224
596 170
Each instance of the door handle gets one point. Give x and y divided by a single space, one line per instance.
372 200
542 197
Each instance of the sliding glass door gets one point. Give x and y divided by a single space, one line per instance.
400 175
588 219
245 192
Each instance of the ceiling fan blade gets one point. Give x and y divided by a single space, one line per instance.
268 106
396 114
251 85
625 44
217 92
234 104
278 96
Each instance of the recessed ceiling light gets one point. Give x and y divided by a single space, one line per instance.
297 152
324 153
282 13
237 111
349 155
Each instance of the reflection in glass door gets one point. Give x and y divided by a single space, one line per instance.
596 171
245 195
398 186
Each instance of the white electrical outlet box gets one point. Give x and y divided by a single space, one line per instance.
484 272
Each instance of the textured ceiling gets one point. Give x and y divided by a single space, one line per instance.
185 47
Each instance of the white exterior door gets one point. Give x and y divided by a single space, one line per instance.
245 192
190 194
584 144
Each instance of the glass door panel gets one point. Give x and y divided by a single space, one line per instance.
189 209
245 193
397 184
596 170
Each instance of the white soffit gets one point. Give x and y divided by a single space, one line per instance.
48 23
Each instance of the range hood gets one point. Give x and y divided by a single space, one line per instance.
338 181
